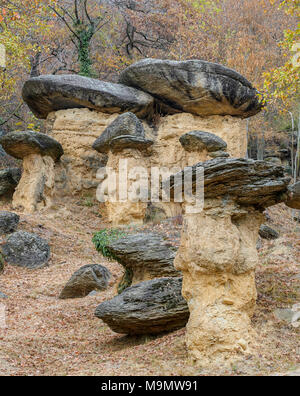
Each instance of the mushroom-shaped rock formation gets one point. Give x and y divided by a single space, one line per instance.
87 279
49 93
39 153
200 141
23 249
294 196
144 256
9 179
126 124
218 253
8 222
194 86
127 147
151 307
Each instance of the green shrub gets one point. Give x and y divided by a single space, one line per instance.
103 238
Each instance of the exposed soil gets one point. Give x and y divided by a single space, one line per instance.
47 336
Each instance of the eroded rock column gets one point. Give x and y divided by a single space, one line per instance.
39 153
218 258
35 189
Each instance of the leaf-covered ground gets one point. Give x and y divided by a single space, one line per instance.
47 336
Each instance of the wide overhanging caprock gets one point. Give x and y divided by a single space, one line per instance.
246 181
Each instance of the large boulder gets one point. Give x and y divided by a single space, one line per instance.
145 256
22 144
199 140
49 93
126 124
150 307
9 180
23 249
85 280
294 196
246 181
194 86
8 222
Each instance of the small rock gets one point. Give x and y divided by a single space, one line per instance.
23 249
267 232
9 180
199 140
130 142
8 222
151 307
219 154
86 280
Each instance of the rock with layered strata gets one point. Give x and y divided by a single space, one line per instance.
194 86
246 181
151 307
49 93
87 279
145 255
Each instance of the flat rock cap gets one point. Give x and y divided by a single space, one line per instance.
246 181
199 140
194 86
49 93
21 144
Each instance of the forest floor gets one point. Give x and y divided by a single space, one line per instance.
48 336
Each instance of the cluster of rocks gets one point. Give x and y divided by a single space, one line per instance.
150 299
202 105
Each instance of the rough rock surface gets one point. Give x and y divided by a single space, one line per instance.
267 232
219 154
8 222
23 249
150 307
77 130
146 255
130 142
49 93
294 196
199 141
194 86
85 280
3 296
35 189
247 181
126 124
9 179
218 258
25 143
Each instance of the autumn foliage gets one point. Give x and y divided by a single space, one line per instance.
98 38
